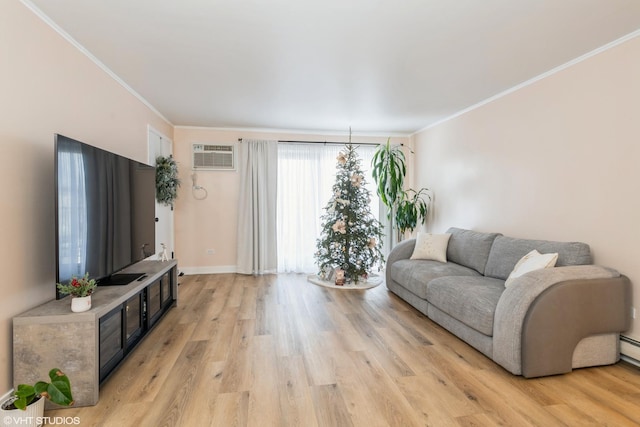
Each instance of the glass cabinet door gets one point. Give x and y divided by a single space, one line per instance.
111 342
134 321
154 303
165 285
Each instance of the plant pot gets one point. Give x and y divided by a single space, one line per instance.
80 304
31 416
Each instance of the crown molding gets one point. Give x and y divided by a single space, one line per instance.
533 80
296 131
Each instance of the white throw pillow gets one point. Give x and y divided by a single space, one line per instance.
534 260
431 246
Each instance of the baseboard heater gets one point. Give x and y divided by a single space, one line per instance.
630 350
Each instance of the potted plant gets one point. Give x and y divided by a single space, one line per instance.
26 406
411 209
80 291
388 170
167 181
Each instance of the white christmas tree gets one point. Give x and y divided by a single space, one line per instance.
351 236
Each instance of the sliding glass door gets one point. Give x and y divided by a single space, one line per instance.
306 174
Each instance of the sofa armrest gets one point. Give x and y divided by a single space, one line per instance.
402 250
544 314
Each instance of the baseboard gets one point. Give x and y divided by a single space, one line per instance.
214 269
630 350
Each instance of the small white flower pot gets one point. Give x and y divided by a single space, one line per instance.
80 304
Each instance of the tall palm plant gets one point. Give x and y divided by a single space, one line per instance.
388 171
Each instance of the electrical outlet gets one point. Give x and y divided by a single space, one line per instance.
633 312
211 251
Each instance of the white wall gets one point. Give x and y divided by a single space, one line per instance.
558 159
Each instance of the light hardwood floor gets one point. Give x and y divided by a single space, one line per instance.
279 351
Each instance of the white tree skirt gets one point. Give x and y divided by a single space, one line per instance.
373 281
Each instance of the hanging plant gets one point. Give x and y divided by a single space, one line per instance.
388 171
167 181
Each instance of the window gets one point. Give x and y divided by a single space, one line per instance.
306 174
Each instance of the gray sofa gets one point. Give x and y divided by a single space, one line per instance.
546 322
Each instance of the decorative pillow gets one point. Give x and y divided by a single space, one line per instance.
431 246
534 260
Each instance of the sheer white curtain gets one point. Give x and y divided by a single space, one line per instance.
257 247
306 174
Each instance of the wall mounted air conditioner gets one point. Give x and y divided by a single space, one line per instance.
214 157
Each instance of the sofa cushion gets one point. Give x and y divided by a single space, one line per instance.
507 251
431 246
534 260
415 274
470 248
470 300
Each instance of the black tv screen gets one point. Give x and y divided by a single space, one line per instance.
105 212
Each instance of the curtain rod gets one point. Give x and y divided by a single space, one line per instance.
323 142
327 142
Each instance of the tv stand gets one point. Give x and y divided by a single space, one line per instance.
90 346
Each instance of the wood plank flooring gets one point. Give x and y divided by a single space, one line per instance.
280 351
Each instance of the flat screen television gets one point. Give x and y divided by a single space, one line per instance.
105 213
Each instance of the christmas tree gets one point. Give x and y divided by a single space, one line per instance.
351 236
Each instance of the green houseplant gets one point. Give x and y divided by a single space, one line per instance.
388 171
167 181
82 287
411 209
80 290
406 208
26 405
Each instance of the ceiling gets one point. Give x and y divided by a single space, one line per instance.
378 66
